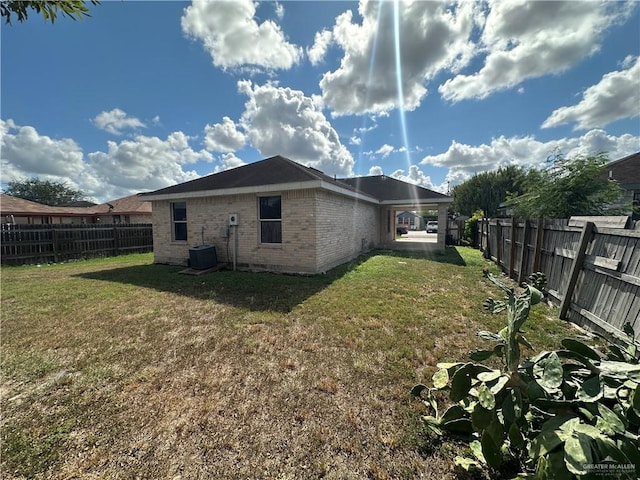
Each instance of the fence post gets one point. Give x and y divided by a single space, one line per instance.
585 238
116 240
485 237
54 241
537 252
499 244
523 254
512 250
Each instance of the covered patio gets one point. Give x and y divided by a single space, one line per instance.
418 240
396 197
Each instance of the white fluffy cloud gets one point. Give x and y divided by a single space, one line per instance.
417 177
131 166
385 150
463 161
320 46
432 36
228 161
615 97
146 163
233 38
224 137
279 10
26 153
525 39
376 170
414 176
117 120
283 121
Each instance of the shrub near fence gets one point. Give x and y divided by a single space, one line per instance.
28 244
593 272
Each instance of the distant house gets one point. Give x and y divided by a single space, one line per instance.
412 220
626 171
129 209
278 215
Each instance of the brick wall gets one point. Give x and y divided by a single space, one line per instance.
295 254
319 231
345 229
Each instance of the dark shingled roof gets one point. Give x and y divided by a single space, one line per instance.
281 170
270 171
389 189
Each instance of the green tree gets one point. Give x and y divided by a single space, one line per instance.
74 9
487 190
575 186
46 192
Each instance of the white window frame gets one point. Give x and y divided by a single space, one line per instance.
261 220
175 222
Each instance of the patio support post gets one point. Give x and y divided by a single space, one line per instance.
442 225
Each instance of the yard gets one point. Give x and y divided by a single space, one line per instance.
118 368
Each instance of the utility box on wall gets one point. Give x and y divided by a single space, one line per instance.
233 219
202 257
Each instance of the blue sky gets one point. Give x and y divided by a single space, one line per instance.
143 95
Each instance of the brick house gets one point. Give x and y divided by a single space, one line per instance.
129 209
626 171
284 217
411 220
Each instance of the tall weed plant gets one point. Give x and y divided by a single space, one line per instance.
568 413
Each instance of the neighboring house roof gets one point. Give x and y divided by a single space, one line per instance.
408 214
278 172
390 190
625 170
13 205
122 206
130 205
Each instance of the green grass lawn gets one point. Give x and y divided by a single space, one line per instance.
118 368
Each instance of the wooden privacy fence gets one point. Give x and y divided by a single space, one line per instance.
592 271
28 244
455 232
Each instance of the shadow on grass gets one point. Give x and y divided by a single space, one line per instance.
249 290
252 291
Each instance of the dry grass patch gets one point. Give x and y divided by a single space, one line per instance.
119 368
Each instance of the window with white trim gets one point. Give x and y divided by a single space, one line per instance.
270 216
179 221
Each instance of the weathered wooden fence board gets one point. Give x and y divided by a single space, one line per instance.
25 244
592 272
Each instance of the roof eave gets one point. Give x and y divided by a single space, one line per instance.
416 201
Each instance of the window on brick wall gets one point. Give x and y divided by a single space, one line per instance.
270 216
179 221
